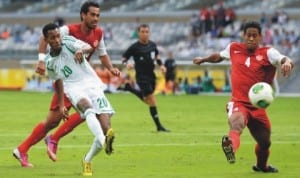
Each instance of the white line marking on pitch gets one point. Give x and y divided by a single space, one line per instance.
212 133
66 146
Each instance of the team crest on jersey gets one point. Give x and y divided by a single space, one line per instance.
95 44
259 57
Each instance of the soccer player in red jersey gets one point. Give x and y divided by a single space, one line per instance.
86 31
250 63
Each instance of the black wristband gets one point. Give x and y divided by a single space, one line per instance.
159 62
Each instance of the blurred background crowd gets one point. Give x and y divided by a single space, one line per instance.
182 30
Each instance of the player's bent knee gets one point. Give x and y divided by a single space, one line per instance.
264 145
88 111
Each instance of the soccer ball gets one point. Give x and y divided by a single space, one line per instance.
261 95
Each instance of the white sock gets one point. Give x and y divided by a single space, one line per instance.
94 150
95 127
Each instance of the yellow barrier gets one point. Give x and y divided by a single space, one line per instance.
218 76
12 79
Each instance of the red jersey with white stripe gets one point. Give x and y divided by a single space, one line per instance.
94 38
249 68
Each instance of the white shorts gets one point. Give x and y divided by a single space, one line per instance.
94 95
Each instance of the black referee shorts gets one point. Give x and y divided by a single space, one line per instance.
147 87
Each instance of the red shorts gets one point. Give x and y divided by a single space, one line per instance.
250 113
54 102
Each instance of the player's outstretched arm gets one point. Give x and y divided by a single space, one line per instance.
213 58
40 67
59 89
79 54
105 60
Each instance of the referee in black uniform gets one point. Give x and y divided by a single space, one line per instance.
145 53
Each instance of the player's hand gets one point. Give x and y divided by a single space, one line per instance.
197 60
40 67
163 69
286 68
115 71
129 66
78 56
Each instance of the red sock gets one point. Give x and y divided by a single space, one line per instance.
235 138
73 121
37 134
261 157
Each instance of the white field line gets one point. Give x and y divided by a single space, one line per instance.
67 146
212 133
199 144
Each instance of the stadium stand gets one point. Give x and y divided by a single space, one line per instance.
175 34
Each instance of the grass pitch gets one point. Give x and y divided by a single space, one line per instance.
191 150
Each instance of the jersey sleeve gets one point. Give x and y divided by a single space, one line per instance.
64 30
225 53
274 56
101 49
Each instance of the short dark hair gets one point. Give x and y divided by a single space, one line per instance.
143 26
85 7
48 27
252 24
